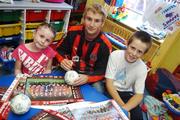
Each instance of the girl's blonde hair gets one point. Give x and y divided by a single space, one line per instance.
48 26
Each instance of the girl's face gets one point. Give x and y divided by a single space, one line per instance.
135 50
93 23
43 37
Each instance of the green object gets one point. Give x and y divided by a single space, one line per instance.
58 25
10 15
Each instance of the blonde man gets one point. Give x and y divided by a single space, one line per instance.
86 49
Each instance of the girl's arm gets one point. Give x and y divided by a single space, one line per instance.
48 67
18 66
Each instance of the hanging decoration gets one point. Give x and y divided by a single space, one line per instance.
6 1
163 16
117 3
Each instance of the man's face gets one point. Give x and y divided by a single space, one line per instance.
93 23
135 50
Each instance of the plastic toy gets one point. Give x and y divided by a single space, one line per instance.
120 13
172 101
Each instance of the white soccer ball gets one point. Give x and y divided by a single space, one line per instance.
70 77
20 104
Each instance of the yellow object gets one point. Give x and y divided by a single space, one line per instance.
59 35
10 29
176 98
32 25
155 118
29 34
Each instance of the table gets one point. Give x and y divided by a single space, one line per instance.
88 92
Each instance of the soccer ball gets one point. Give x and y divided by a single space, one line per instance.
70 77
20 104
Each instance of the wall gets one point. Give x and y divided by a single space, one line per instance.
168 56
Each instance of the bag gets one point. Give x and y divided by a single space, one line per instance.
154 106
161 81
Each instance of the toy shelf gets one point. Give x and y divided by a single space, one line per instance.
27 6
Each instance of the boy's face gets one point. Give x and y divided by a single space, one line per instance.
93 23
135 50
43 37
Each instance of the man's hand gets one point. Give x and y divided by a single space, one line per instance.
66 64
83 79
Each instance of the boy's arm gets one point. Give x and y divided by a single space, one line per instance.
49 67
136 99
133 102
18 66
113 92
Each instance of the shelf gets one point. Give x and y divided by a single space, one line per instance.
30 10
28 4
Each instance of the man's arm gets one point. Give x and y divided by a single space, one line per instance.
113 92
63 53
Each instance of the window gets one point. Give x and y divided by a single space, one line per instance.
137 6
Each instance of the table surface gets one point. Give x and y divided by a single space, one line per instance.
88 92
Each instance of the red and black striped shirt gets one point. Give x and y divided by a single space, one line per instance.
93 55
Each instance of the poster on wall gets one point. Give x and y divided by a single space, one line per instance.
163 16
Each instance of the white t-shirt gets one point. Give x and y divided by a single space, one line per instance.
126 76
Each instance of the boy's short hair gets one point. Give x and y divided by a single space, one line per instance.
96 8
48 26
143 37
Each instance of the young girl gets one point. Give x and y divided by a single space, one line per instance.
36 57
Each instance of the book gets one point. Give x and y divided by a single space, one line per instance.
106 110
